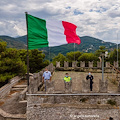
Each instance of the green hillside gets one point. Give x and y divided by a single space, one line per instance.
13 42
88 44
22 38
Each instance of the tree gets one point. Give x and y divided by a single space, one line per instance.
60 57
2 46
87 57
36 59
10 63
14 62
70 56
100 50
113 56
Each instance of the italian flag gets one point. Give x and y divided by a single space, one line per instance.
45 33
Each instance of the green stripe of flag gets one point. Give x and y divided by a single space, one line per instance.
37 32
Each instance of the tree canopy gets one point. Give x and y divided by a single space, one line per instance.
14 62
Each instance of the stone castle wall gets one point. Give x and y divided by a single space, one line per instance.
72 107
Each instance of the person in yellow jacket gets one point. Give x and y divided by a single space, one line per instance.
68 82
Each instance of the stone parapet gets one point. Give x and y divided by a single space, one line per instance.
68 107
82 63
4 91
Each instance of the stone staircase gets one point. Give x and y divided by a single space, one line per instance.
22 89
19 87
14 104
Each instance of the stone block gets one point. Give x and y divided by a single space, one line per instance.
85 86
74 64
57 64
115 64
103 86
65 64
91 64
33 83
49 86
82 63
107 64
98 64
68 87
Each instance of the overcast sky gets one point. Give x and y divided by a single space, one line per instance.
95 18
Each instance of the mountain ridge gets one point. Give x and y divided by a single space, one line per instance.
88 44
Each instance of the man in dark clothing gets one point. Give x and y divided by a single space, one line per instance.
90 77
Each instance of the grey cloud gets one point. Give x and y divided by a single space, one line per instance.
108 34
114 14
97 19
8 29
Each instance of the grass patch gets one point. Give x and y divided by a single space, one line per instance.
111 102
98 102
83 99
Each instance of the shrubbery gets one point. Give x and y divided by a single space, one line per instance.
80 56
14 62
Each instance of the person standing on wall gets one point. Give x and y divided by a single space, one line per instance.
68 82
90 77
46 77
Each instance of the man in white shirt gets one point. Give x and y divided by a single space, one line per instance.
46 77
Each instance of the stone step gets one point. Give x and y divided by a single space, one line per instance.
18 89
23 101
19 86
76 94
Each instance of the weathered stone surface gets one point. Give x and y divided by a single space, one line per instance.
91 64
34 83
5 90
57 64
59 81
74 64
49 86
82 63
98 64
107 64
7 116
103 86
85 86
68 87
61 107
31 85
72 107
115 64
65 64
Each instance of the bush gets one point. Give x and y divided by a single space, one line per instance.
111 102
83 99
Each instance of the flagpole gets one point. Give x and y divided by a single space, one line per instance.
27 52
117 51
49 55
49 58
74 51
